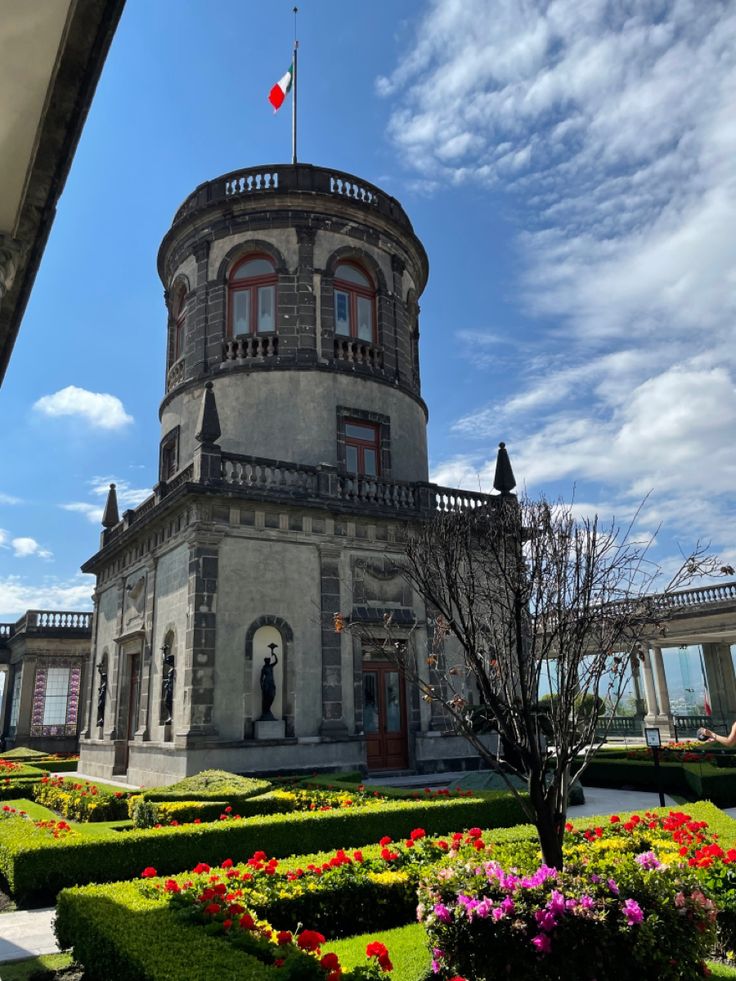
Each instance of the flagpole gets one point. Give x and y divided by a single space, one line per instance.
293 103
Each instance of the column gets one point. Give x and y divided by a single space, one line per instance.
665 712
333 721
719 673
198 675
650 691
640 707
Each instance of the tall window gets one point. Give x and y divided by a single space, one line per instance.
15 701
57 694
180 323
354 303
252 297
361 448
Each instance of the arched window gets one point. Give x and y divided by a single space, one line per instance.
252 297
355 301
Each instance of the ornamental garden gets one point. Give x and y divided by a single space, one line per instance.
324 878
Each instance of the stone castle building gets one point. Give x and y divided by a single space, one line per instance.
293 462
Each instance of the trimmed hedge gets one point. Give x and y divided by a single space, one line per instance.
36 866
211 785
147 813
118 933
704 781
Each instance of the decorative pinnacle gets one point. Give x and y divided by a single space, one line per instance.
208 424
504 480
110 516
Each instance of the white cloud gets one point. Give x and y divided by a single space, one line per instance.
610 131
96 408
127 496
17 595
24 547
90 511
9 499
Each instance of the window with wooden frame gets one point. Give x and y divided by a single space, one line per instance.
252 296
362 448
355 303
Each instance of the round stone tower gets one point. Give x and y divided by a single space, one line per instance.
294 290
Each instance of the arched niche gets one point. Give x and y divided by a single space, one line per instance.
267 630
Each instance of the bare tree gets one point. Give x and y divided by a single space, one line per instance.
522 591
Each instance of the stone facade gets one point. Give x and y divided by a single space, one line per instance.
267 520
44 656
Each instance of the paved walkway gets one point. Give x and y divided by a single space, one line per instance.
27 933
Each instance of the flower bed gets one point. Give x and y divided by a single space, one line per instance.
117 931
80 800
36 868
632 902
644 892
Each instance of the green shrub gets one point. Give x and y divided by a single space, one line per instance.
211 785
147 813
116 932
80 800
120 932
36 868
702 780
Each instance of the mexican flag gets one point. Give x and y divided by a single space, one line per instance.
280 90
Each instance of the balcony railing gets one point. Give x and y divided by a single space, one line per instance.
48 622
271 180
250 346
358 352
175 375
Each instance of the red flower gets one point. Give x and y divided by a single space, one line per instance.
283 937
227 864
330 962
171 885
380 952
246 921
212 908
149 873
385 840
417 833
614 819
201 867
310 940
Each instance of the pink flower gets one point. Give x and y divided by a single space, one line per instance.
632 911
542 943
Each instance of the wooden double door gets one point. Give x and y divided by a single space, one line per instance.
384 716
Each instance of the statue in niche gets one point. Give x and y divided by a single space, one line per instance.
268 685
101 694
168 684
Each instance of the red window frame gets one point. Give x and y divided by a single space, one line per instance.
360 445
252 284
354 290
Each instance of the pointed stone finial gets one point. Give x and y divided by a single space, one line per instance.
208 424
504 480
110 516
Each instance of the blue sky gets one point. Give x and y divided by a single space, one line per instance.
569 167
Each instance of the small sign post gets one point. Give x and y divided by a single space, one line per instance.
654 742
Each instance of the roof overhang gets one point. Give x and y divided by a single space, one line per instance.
51 57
